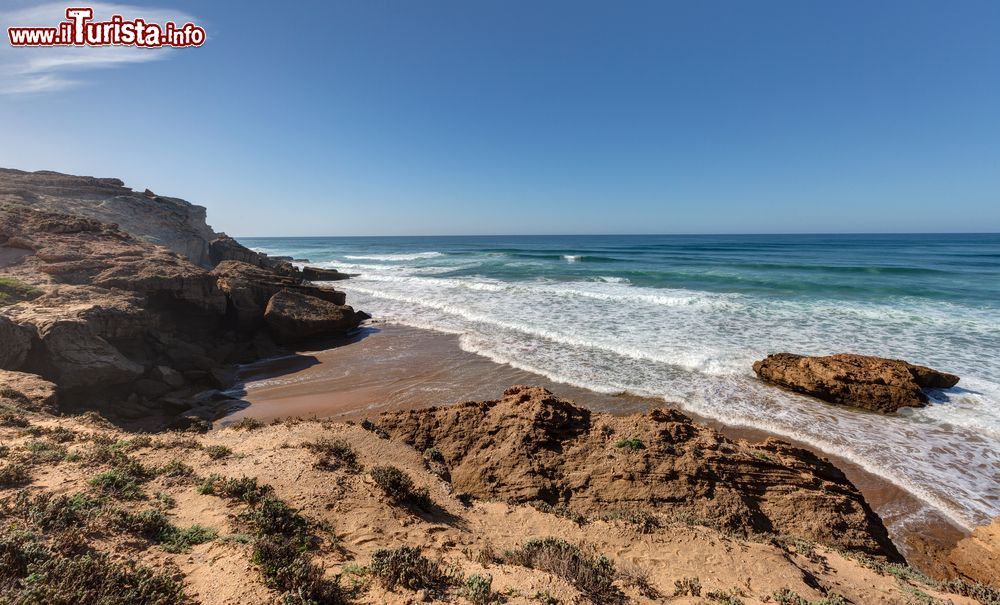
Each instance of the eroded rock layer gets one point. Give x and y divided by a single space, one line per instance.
531 445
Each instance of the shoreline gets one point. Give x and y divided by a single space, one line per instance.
394 367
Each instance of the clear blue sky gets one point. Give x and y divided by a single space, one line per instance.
499 116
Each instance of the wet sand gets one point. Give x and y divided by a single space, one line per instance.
392 367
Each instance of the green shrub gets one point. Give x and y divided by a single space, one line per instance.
95 579
247 424
13 418
406 567
151 523
478 589
287 568
632 443
61 434
687 586
399 488
19 550
154 525
643 522
592 575
335 453
244 489
14 474
217 452
182 539
117 484
175 468
49 512
987 595
271 516
41 452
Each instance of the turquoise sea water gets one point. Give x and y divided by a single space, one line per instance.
683 317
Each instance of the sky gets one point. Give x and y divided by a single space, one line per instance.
380 117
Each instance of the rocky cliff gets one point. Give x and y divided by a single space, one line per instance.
170 222
140 330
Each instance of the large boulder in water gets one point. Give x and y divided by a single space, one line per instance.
874 383
295 316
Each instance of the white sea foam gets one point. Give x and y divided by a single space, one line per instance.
396 257
696 348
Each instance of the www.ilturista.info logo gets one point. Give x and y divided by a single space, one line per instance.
80 29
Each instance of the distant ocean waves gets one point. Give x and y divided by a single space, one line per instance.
683 319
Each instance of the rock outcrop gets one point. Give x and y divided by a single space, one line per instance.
129 327
170 222
15 342
531 445
318 274
874 383
295 316
75 356
977 557
224 248
249 288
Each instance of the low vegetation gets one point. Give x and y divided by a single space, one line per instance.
154 525
14 474
408 568
244 489
398 487
633 444
117 484
593 575
334 454
282 540
479 589
218 452
32 573
13 291
247 424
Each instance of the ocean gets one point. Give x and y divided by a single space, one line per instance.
682 317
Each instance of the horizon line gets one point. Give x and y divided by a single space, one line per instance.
799 233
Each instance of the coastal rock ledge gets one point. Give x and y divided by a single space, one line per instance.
531 446
873 383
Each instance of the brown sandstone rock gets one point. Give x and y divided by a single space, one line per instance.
249 288
318 274
295 316
978 556
531 445
874 383
170 222
15 342
77 357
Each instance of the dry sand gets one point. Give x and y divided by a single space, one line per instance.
361 520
